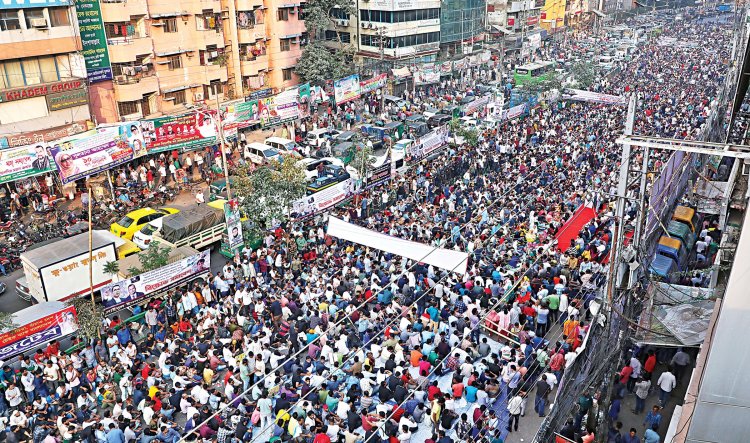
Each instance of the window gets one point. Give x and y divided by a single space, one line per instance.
286 44
286 74
170 25
28 71
9 21
339 14
399 16
59 16
128 108
245 20
207 22
178 97
34 15
283 14
175 62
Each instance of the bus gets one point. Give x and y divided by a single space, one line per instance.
534 72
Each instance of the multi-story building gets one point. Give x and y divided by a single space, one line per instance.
42 72
462 24
552 17
169 55
398 31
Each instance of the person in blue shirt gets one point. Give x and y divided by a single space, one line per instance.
652 418
651 436
470 392
115 435
123 335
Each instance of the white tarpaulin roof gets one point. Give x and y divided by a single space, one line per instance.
453 261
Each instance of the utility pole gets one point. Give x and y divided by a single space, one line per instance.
221 146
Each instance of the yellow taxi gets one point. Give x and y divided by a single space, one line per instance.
135 220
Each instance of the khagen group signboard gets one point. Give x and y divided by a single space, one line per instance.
93 40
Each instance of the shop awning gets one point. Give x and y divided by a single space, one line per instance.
501 30
598 13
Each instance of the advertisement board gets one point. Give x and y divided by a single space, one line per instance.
426 75
346 89
594 97
45 329
97 151
380 174
186 132
93 40
373 84
121 294
280 108
313 204
234 226
476 105
430 142
26 161
40 90
67 99
70 277
238 116
45 135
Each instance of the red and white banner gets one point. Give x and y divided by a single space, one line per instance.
38 332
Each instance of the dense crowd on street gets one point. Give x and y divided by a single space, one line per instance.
317 340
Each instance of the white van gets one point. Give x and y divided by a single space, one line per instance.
283 145
318 137
259 153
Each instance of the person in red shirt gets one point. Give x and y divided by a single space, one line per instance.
458 389
625 373
53 348
322 437
649 365
433 391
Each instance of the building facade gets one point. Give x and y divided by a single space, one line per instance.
462 25
167 56
42 73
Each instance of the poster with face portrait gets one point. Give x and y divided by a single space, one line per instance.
50 327
96 151
24 161
186 132
137 289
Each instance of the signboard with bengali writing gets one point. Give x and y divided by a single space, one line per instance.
186 131
320 201
47 328
67 99
280 108
97 151
45 135
70 278
373 84
93 40
136 289
25 161
430 142
346 89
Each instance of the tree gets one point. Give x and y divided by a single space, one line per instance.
89 316
111 268
7 322
363 160
152 258
583 74
267 193
470 135
319 64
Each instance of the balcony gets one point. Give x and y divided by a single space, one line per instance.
132 87
214 72
251 35
122 10
125 49
209 38
252 65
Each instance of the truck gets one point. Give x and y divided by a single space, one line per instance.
59 270
196 227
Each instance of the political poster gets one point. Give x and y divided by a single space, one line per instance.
26 161
380 174
183 132
96 151
429 143
594 97
346 89
137 289
373 84
426 75
280 108
238 116
38 332
476 105
320 201
234 225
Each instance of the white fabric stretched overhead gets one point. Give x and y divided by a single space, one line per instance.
453 261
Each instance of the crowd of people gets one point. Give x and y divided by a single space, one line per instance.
317 340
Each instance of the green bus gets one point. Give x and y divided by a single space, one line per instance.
534 72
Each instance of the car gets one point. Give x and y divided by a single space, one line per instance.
283 145
318 136
438 120
310 165
22 288
260 154
133 221
218 188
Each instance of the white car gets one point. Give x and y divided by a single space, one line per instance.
469 122
143 237
310 166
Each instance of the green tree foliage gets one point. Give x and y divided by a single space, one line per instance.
584 74
89 317
267 193
318 64
152 258
470 136
6 321
111 267
363 160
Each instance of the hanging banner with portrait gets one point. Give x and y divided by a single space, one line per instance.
187 132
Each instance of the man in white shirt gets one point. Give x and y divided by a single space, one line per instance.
13 395
514 409
667 383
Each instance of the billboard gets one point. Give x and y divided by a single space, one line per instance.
313 204
430 142
70 277
93 40
373 84
186 132
238 116
234 226
133 290
346 89
38 332
280 108
26 161
97 151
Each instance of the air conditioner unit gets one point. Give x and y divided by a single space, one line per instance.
198 96
38 22
214 54
344 23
